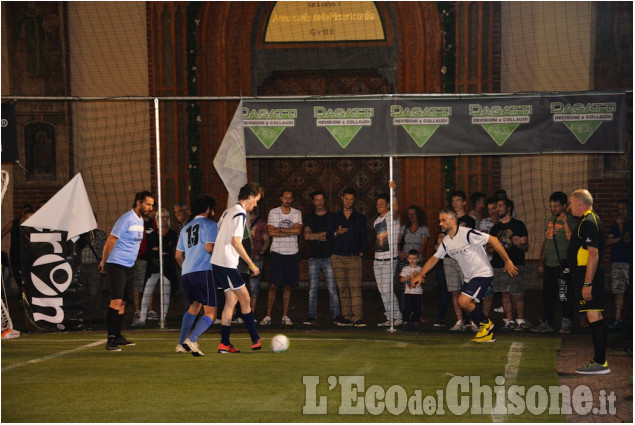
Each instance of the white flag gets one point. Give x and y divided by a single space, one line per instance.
230 161
68 210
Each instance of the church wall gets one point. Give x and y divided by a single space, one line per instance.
105 132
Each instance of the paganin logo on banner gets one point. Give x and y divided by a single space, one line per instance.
343 123
268 124
420 122
582 119
500 121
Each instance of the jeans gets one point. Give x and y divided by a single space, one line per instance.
384 277
147 293
412 307
323 264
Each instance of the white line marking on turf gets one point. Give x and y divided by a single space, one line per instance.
399 344
54 356
511 372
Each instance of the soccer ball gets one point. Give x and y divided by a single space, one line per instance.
279 343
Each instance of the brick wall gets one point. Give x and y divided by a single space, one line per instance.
36 196
607 191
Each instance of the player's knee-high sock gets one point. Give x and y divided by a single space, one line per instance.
186 325
599 334
119 324
111 323
478 316
250 323
224 334
201 326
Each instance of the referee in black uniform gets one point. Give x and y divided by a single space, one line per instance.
585 253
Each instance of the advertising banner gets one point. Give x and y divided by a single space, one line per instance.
432 126
50 277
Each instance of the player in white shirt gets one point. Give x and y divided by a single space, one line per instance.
227 252
467 247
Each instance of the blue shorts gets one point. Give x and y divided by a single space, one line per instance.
199 286
477 288
284 270
227 279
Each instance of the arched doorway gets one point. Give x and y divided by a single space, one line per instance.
331 66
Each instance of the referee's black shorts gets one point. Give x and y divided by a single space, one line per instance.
597 290
119 282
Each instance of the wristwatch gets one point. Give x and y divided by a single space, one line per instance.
587 284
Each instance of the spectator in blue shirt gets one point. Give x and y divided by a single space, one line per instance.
348 231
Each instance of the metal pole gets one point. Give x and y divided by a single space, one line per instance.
391 248
159 205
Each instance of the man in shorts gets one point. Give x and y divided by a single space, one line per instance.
193 254
225 256
284 225
453 275
466 246
512 234
584 256
117 261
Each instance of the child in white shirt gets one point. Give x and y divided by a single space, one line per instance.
412 293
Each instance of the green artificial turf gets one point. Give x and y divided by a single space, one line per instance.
59 378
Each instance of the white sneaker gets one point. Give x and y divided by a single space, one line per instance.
499 310
384 324
238 321
266 321
217 322
398 322
523 325
192 347
152 315
473 327
138 322
180 349
137 314
565 326
287 321
458 327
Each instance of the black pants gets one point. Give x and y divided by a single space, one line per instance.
412 307
551 298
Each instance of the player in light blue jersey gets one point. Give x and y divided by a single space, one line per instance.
119 255
193 253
